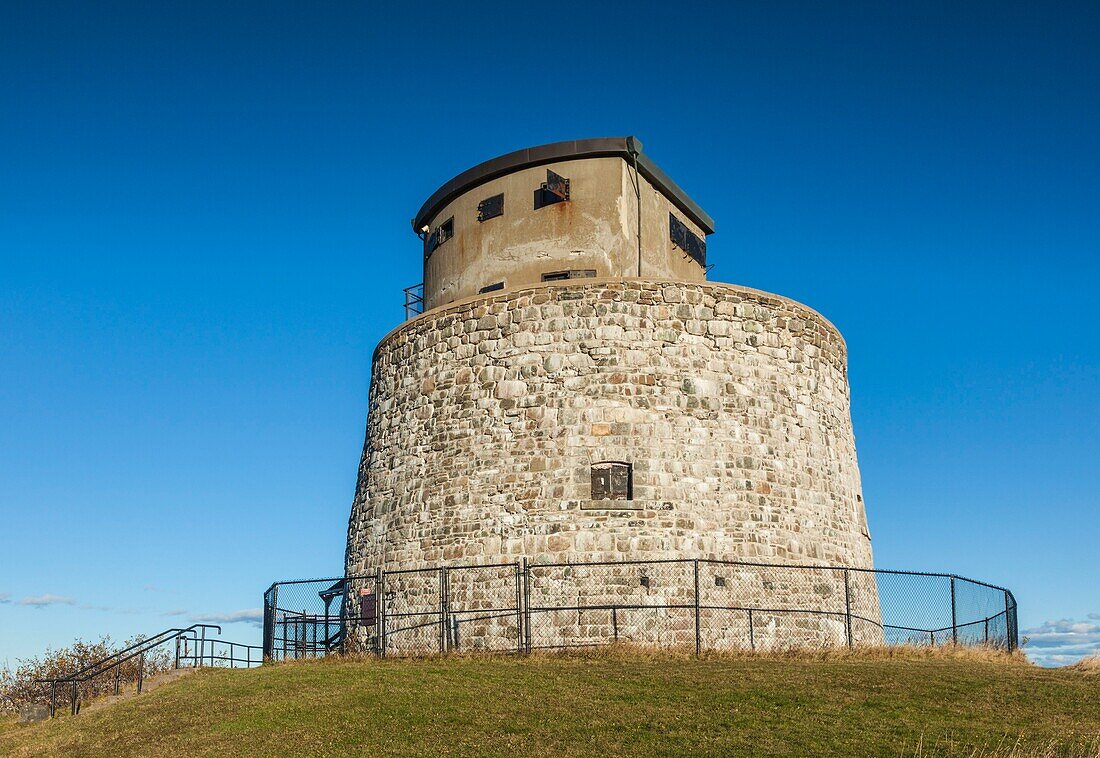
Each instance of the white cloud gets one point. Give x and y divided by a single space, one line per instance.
246 616
41 601
5 597
1062 642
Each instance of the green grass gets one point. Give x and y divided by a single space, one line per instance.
610 704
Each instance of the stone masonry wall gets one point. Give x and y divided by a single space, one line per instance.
486 416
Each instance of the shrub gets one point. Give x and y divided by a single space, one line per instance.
19 686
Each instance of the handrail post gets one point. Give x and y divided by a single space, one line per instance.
698 638
848 607
954 616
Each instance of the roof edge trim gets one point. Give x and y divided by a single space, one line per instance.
557 152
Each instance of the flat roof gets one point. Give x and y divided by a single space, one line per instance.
600 147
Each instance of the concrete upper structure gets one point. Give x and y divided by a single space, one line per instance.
512 221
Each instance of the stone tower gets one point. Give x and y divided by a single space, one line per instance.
576 390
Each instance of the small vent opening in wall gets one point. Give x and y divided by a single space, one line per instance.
612 480
557 276
491 288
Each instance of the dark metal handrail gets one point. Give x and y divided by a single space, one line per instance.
138 650
146 644
200 656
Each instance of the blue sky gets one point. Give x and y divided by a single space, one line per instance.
204 232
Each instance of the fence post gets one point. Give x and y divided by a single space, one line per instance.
75 706
848 607
382 613
176 664
752 633
615 622
301 637
118 676
527 605
1010 626
53 698
519 608
270 617
141 671
442 610
698 639
954 616
344 616
376 642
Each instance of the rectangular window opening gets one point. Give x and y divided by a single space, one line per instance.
443 232
688 241
446 230
554 190
612 480
491 288
490 207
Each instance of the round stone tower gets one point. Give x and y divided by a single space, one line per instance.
576 390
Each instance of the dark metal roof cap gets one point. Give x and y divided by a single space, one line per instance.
623 147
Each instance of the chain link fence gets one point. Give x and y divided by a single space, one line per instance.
700 604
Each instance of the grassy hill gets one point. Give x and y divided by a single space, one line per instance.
605 704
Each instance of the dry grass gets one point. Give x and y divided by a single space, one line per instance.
608 702
1090 665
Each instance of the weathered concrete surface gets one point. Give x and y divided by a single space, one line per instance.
486 416
595 230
